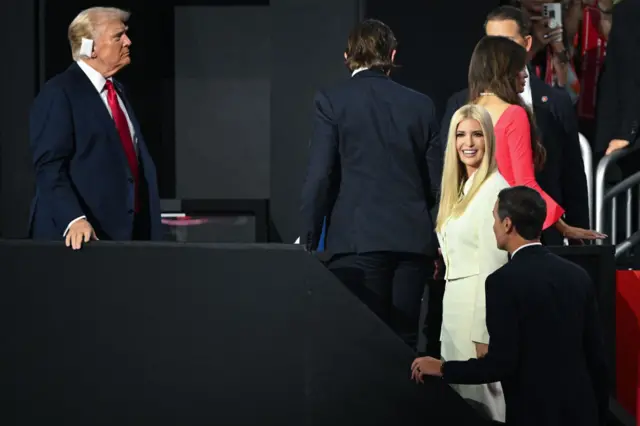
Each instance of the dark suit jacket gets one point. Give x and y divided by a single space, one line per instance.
374 168
81 168
618 108
545 343
563 176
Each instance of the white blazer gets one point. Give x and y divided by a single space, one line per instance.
469 247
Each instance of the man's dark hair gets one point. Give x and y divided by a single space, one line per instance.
526 209
510 13
370 45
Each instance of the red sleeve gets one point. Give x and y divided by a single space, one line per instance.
521 157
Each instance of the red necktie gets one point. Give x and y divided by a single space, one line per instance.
125 136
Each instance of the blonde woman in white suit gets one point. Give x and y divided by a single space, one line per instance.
470 187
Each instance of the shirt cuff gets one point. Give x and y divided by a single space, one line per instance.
71 223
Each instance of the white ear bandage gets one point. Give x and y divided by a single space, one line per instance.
86 48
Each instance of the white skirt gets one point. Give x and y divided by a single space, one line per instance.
455 336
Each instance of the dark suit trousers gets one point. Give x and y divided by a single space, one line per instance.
391 284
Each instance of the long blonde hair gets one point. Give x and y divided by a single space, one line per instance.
452 200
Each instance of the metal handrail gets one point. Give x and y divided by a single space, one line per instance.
587 159
621 187
603 197
601 173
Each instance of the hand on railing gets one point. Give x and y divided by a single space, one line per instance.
583 234
615 145
573 233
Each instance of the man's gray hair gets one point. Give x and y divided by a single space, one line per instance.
88 24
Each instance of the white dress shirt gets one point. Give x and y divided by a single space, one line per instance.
356 71
523 246
526 96
98 82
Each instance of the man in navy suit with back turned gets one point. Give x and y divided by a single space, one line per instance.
374 173
95 178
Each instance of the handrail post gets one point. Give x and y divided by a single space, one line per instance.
601 173
587 159
600 181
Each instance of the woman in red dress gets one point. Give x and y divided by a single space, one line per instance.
496 77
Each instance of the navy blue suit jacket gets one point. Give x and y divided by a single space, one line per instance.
546 343
81 168
374 168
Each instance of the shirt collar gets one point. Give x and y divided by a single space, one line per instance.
468 183
526 96
356 71
94 76
523 246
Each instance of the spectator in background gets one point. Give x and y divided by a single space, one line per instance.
551 51
587 26
619 92
618 109
374 173
562 176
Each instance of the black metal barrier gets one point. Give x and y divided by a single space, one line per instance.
171 334
600 264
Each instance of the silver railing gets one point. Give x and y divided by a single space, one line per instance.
587 159
608 199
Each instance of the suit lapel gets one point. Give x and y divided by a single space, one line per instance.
91 101
542 106
536 95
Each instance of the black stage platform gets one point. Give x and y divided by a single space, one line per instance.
171 334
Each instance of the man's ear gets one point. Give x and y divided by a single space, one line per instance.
528 43
508 225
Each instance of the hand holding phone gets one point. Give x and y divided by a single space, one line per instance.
553 12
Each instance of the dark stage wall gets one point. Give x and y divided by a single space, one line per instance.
436 39
18 76
268 56
308 41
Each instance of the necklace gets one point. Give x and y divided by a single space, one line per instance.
487 94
